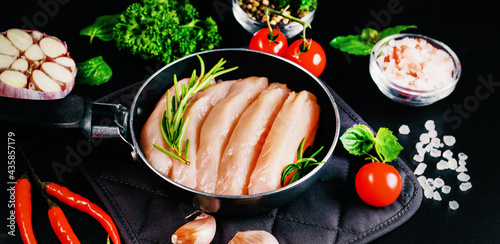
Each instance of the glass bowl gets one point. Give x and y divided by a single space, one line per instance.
290 30
406 94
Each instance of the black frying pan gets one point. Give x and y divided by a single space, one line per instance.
79 114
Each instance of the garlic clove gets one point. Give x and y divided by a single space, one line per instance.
253 237
201 230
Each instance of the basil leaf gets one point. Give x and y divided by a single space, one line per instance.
387 145
94 72
358 140
395 30
357 45
101 28
351 44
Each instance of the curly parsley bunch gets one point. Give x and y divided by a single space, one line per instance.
162 29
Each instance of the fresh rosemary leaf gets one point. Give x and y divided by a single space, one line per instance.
302 166
173 125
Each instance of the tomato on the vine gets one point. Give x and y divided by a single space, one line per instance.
274 43
311 56
378 184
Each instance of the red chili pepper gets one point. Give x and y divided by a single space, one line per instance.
83 204
22 208
60 225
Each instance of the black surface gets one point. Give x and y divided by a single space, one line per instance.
470 113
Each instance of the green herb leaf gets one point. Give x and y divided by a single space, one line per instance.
387 145
302 166
363 44
101 28
94 72
395 30
173 127
358 140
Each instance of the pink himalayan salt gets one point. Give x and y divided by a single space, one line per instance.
414 63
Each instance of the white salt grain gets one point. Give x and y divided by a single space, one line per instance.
442 165
462 156
463 177
449 140
453 205
462 162
452 163
428 193
420 169
447 154
432 133
404 129
465 186
435 152
438 182
418 157
437 196
436 142
421 180
430 125
424 137
461 168
446 189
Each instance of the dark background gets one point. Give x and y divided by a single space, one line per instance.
470 29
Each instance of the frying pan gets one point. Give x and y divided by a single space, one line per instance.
78 114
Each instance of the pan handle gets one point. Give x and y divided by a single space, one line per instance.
75 115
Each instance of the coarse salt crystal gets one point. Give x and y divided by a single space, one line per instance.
437 196
415 63
447 154
462 156
463 177
449 140
420 169
404 129
462 162
441 165
435 152
438 182
424 137
446 189
428 193
430 125
418 157
452 164
421 180
465 186
453 205
436 142
461 168
432 133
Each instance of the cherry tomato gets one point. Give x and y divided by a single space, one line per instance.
262 41
378 184
313 59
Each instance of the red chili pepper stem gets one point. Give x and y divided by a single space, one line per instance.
79 202
57 219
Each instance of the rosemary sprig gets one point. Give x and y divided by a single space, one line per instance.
173 127
302 165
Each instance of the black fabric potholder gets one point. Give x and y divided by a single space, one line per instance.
329 212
